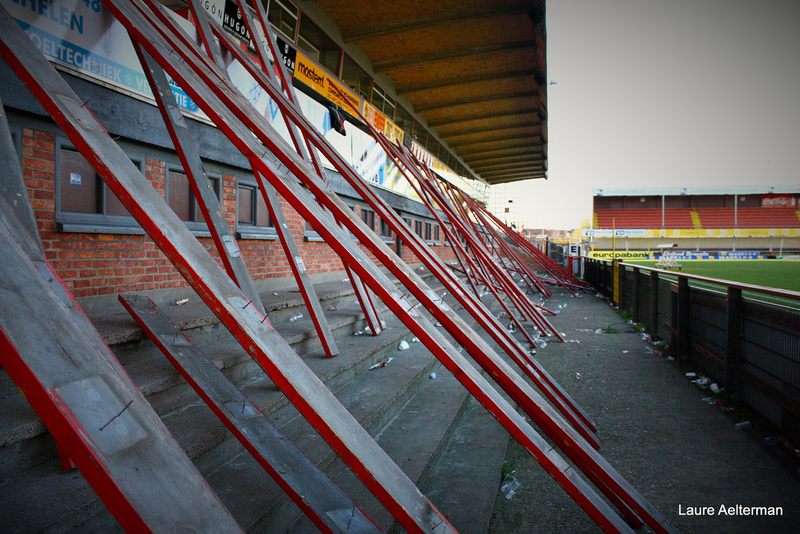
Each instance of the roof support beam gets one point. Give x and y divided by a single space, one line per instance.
475 131
423 22
500 158
515 145
513 173
533 137
464 80
502 152
383 66
508 165
474 100
512 168
541 176
464 118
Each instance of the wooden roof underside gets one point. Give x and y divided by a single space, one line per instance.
474 69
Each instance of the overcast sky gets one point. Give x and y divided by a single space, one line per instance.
667 93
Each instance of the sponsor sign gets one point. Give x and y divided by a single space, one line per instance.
778 201
288 53
683 255
381 122
620 254
738 255
318 80
694 233
81 37
620 232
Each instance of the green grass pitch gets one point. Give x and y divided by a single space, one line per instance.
783 274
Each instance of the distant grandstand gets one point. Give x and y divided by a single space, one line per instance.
737 223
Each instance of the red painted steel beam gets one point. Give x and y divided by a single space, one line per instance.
308 394
264 51
234 50
548 387
476 211
293 257
12 188
189 154
489 233
520 300
233 115
402 163
557 271
549 383
299 270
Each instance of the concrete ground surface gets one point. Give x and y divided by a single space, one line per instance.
655 430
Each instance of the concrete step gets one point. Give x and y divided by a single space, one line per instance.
193 425
281 297
373 398
27 469
413 439
154 375
24 440
464 480
429 426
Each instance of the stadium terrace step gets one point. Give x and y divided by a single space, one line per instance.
464 479
696 221
425 436
29 466
374 398
154 375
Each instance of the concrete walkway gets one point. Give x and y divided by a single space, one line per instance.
654 428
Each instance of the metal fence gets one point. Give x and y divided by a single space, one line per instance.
744 337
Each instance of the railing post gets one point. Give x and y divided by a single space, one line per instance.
618 277
635 297
653 303
682 351
733 348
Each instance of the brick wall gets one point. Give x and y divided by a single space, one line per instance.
97 263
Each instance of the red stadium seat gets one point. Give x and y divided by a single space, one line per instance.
646 218
769 218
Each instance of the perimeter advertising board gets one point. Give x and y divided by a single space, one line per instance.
684 255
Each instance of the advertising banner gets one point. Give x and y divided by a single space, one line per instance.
620 254
84 39
620 232
318 80
683 255
81 37
381 122
778 201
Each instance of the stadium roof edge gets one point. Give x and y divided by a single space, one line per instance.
678 191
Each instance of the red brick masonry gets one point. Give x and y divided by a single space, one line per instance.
98 264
